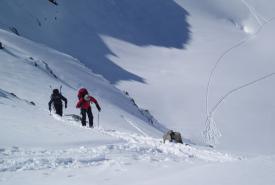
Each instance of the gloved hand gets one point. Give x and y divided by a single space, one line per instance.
65 106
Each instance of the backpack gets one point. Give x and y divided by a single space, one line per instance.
172 136
56 97
82 92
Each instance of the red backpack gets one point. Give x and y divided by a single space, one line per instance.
82 92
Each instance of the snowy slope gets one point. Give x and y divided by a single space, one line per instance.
34 143
167 66
28 70
202 67
230 48
75 27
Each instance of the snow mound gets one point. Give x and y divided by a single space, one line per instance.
136 147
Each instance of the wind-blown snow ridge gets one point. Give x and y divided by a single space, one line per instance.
177 151
136 148
132 147
18 159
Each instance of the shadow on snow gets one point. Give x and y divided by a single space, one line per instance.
149 22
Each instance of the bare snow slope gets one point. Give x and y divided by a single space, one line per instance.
36 148
75 27
219 88
35 143
191 63
28 70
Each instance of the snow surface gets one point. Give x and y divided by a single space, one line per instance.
223 76
204 68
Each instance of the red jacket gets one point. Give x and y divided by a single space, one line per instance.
86 104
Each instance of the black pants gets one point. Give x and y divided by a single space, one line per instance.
58 109
90 116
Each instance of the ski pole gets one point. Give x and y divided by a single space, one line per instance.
98 119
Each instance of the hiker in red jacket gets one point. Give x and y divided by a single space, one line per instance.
84 104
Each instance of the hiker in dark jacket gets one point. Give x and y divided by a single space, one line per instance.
84 104
56 99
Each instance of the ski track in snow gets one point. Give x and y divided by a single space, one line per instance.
211 132
258 17
133 125
135 148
